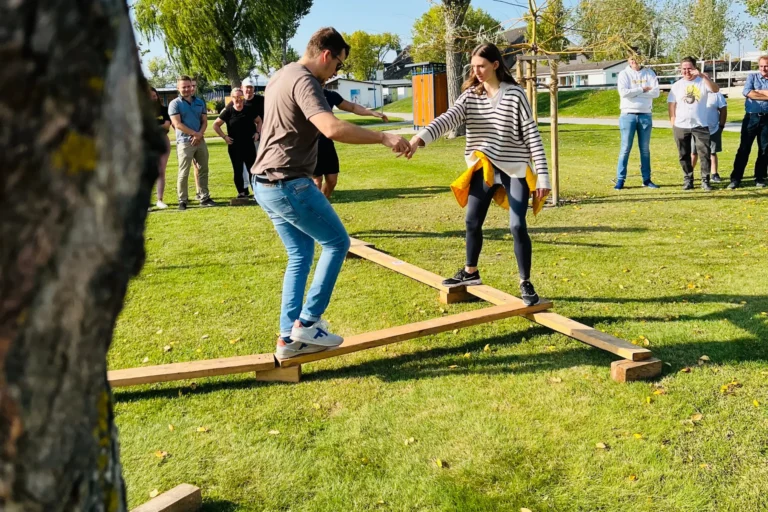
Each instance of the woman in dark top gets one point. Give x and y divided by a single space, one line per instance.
241 127
164 121
327 159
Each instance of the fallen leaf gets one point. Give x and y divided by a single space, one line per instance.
467 355
167 348
601 446
161 454
441 464
637 436
527 509
316 406
648 400
232 342
203 429
453 366
755 403
171 427
686 370
274 432
197 313
555 380
193 386
632 478
160 331
697 417
660 392
730 388
145 360
455 331
153 493
409 441
487 348
703 360
705 466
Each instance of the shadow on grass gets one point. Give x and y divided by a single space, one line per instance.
381 194
620 197
219 506
495 233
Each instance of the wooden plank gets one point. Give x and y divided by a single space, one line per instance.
292 374
627 371
416 330
190 370
354 242
401 267
453 296
182 498
571 328
241 201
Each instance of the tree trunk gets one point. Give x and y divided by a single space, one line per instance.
284 57
233 71
78 152
454 11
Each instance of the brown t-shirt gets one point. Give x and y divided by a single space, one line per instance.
288 146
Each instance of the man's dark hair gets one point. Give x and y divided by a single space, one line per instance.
327 39
184 78
691 60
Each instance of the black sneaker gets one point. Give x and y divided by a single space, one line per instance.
706 186
733 185
207 202
182 205
688 185
759 184
716 178
528 294
463 278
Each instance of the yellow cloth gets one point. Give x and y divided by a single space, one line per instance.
460 186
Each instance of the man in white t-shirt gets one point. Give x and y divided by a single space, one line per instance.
688 102
718 113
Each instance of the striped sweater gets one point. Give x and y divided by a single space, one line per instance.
502 127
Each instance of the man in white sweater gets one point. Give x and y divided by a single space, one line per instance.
638 86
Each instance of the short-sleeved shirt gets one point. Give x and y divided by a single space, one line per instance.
161 113
191 113
715 103
755 82
334 99
241 124
257 103
288 146
692 98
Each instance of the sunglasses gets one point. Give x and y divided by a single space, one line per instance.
340 65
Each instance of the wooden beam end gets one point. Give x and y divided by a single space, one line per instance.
628 371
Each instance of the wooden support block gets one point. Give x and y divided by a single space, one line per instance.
416 330
182 498
241 201
454 295
190 370
289 374
627 371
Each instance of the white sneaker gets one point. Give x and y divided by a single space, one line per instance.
317 334
285 350
161 205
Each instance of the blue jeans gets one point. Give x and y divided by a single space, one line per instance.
302 216
629 124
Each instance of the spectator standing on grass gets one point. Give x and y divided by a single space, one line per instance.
687 102
638 87
164 122
190 118
326 172
754 126
241 127
296 110
717 110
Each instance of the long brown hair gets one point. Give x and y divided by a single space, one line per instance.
491 53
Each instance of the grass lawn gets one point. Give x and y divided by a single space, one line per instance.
403 105
515 426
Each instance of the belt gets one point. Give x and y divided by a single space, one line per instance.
265 181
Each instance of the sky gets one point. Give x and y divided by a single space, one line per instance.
395 16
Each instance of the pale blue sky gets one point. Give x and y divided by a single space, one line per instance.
395 16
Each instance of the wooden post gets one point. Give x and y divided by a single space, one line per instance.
529 81
554 132
519 73
534 90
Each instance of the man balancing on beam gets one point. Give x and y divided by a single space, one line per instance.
296 111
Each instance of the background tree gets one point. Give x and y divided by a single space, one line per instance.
705 23
759 10
428 33
221 38
275 61
368 53
161 73
280 52
68 254
551 27
611 28
454 12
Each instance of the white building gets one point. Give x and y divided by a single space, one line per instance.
397 89
367 94
583 74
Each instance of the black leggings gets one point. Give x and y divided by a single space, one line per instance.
241 153
480 197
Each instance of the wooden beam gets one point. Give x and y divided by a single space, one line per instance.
627 371
453 296
182 498
354 242
561 324
190 370
241 201
292 374
537 57
416 330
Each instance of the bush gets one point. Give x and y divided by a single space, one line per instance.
211 106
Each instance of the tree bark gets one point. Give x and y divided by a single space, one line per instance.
78 152
233 72
454 12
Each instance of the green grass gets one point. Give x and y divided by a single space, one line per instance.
403 105
605 103
686 270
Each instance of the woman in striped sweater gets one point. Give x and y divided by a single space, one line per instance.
499 125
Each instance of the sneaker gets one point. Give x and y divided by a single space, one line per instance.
285 350
463 278
207 202
182 205
716 178
242 195
688 185
733 185
161 205
528 294
706 186
650 184
759 184
316 334
619 185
